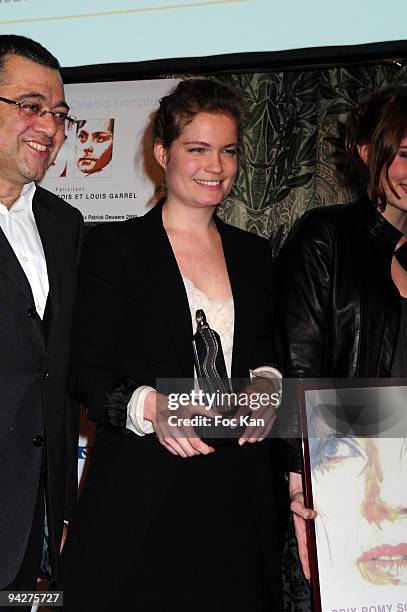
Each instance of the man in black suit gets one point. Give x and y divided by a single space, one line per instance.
40 238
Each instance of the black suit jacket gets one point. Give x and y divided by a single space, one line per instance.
134 323
33 370
134 320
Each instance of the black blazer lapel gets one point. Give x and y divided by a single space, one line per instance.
49 237
11 267
170 289
242 288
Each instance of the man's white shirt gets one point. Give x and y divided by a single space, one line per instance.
20 229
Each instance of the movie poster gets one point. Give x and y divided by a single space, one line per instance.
105 167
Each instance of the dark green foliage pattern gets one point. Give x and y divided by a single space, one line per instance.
293 130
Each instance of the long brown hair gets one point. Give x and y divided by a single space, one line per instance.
380 122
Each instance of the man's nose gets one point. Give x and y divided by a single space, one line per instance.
46 123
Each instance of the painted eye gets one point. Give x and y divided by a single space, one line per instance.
335 448
100 137
82 137
330 451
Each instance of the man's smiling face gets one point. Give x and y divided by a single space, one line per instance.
28 145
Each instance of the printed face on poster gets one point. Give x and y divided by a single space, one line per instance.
105 168
355 455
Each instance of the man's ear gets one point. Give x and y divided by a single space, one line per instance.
363 151
160 154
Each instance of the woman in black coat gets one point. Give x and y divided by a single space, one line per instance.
167 521
342 276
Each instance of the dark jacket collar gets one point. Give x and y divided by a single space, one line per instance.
50 238
168 278
384 233
169 285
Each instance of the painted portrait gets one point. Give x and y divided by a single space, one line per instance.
357 444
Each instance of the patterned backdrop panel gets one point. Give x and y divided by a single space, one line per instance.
294 130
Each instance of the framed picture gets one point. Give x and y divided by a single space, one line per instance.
355 477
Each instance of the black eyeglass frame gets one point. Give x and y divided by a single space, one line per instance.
42 111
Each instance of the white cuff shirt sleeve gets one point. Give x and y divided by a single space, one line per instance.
267 371
135 412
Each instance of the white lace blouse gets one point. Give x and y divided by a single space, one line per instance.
220 315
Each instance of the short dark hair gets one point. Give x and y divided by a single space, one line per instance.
82 122
11 44
186 100
380 121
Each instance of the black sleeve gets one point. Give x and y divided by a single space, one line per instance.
264 353
71 483
304 279
101 307
72 410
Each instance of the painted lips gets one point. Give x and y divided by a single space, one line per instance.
386 564
86 162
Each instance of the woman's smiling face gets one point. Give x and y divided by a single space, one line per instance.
397 177
201 163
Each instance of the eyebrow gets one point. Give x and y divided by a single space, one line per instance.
206 144
40 97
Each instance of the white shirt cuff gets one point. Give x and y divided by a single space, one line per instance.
135 412
267 371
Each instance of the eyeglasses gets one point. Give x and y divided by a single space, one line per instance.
32 110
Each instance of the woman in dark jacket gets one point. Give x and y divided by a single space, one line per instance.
165 521
342 276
